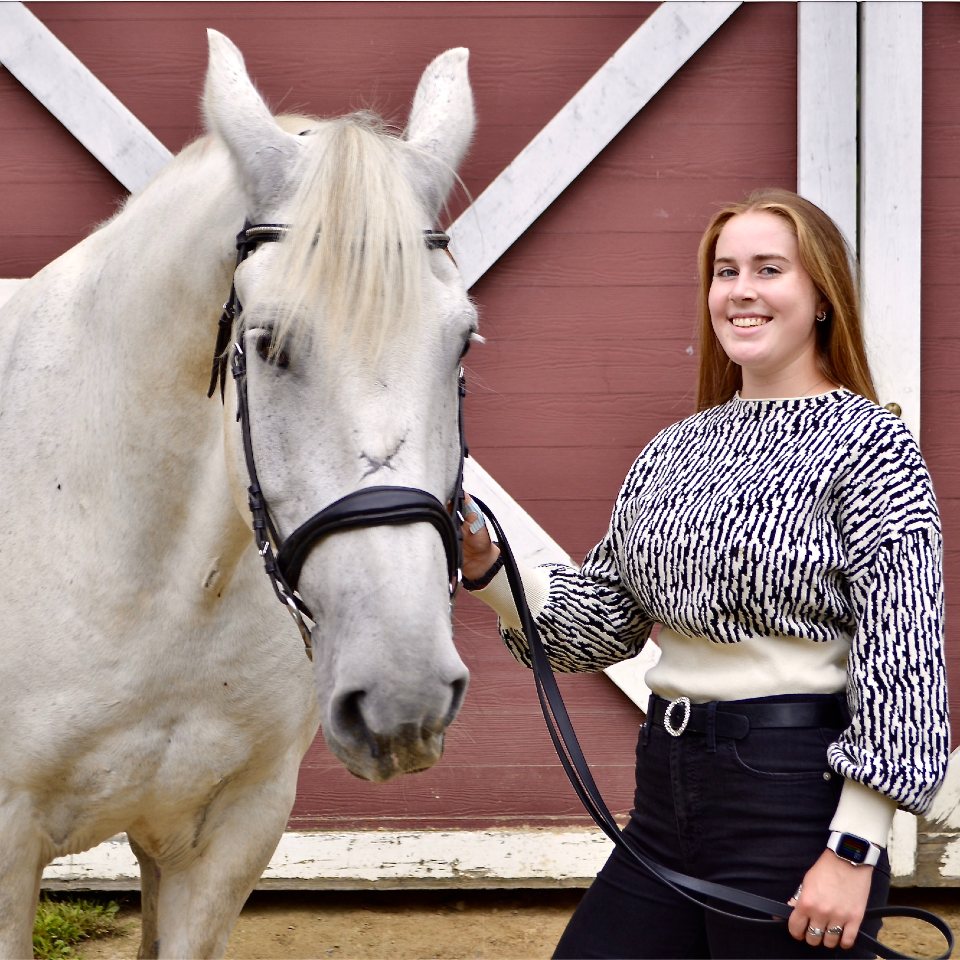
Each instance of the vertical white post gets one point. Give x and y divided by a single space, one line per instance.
827 110
891 88
891 85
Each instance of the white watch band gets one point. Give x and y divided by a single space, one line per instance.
855 850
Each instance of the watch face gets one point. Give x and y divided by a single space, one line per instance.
852 848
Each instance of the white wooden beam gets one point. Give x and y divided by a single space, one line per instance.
891 84
827 110
77 98
582 128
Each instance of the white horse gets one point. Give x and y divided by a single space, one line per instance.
149 681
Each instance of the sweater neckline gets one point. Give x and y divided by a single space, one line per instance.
815 399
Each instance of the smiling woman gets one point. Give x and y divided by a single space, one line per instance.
772 251
786 539
763 304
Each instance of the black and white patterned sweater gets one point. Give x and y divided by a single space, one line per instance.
786 546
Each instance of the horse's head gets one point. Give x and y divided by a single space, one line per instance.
351 333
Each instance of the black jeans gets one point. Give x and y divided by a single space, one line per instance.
752 813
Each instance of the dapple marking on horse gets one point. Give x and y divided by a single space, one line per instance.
151 683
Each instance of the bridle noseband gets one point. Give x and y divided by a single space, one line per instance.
368 507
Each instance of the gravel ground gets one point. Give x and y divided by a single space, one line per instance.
442 925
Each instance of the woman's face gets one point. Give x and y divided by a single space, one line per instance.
763 305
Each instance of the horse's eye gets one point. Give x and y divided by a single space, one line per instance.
267 353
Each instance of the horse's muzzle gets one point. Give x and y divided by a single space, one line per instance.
382 754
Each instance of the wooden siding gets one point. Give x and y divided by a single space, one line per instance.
940 346
589 317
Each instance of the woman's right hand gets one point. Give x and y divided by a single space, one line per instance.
479 551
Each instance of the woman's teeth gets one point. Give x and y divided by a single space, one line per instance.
749 321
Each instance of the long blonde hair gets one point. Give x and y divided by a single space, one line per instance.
841 355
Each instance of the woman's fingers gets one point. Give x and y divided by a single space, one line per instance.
473 516
479 552
832 934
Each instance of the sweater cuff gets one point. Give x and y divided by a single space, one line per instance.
536 586
864 812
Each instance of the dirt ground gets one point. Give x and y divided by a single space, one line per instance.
442 925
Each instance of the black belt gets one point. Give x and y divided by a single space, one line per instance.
734 719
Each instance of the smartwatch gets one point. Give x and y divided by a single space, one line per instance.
853 849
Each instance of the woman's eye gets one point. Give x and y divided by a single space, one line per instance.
768 271
725 273
267 353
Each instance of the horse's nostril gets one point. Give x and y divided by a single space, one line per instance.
458 691
348 713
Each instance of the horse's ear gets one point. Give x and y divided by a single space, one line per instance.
441 124
264 153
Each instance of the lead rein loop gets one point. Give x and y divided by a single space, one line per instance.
578 772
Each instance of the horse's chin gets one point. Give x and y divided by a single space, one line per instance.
389 758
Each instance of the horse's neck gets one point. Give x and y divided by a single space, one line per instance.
165 269
141 299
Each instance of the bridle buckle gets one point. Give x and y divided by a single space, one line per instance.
668 716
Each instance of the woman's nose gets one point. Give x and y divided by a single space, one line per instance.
743 289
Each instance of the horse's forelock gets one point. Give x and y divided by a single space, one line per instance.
353 254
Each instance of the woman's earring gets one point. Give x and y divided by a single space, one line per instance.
822 316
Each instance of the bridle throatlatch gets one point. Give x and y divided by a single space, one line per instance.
283 559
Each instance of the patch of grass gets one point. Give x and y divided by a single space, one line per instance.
60 924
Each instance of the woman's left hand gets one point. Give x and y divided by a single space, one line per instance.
832 901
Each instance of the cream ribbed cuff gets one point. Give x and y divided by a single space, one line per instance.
865 813
536 586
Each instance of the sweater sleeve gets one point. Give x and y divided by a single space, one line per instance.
586 618
898 739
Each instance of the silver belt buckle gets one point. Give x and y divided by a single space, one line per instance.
668 716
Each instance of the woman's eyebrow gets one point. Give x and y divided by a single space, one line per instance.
755 258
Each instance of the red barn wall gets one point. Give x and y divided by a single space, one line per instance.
940 294
589 316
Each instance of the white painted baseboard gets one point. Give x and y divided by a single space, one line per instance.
382 859
424 859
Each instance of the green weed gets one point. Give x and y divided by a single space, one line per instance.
60 924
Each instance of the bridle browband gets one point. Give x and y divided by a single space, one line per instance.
283 559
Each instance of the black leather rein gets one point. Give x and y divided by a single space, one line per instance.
746 907
369 506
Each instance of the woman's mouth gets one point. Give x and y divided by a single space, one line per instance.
750 321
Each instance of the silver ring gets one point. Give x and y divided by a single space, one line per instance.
836 930
668 716
815 932
796 896
479 520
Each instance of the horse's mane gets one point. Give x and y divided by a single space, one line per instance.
354 251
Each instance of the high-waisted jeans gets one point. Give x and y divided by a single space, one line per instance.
752 813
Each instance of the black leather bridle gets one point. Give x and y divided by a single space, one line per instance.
367 507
